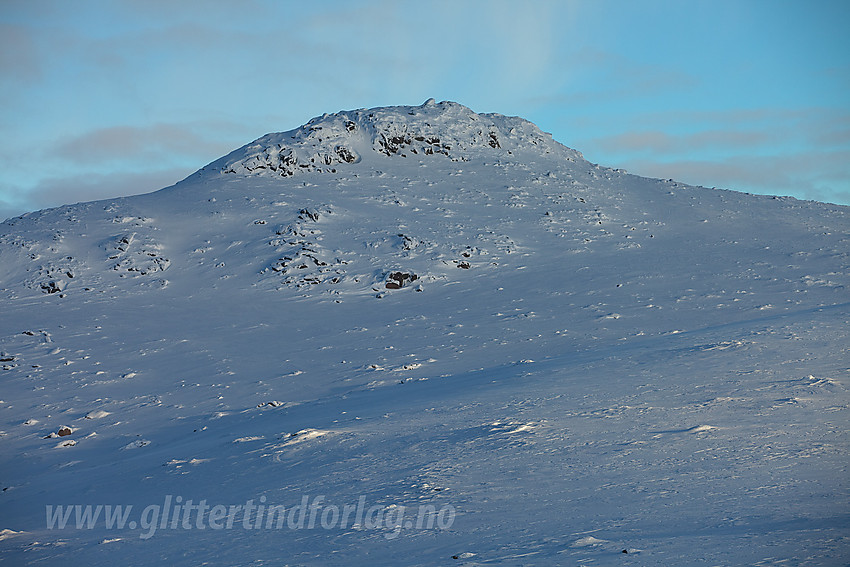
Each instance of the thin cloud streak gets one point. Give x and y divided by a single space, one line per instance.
785 174
664 143
801 151
92 187
19 57
160 141
57 191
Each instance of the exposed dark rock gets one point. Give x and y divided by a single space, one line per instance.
398 280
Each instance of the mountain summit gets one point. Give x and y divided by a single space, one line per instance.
448 129
428 336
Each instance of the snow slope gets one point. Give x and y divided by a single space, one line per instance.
412 306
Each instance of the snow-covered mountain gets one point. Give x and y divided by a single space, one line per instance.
482 348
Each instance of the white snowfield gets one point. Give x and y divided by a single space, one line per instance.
424 308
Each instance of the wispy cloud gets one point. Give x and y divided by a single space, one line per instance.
592 77
804 152
820 176
19 57
53 192
788 121
156 142
664 143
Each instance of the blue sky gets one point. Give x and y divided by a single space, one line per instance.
101 99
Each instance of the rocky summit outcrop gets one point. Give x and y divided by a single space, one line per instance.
446 129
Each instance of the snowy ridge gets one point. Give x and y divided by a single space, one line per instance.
447 129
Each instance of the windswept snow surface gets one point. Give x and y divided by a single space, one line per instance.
424 306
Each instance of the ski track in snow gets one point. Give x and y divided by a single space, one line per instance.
591 367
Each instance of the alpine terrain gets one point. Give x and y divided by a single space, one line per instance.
418 335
